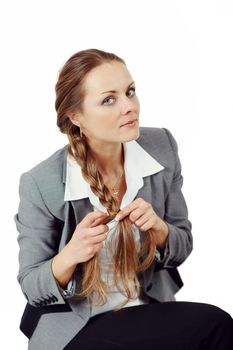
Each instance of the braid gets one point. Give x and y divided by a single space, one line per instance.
122 244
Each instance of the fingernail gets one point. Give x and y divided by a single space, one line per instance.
117 218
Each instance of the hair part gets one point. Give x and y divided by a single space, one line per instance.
128 262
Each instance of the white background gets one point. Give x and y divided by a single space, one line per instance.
180 55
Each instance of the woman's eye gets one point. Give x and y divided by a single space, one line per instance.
132 91
107 100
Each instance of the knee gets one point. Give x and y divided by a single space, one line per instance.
220 313
219 329
226 320
207 314
219 316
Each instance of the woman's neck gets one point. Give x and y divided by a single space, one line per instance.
110 160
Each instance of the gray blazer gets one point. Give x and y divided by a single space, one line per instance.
46 222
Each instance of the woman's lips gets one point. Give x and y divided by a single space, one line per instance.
131 123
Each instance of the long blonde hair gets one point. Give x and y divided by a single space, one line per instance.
128 262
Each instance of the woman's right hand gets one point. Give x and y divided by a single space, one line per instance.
85 242
87 238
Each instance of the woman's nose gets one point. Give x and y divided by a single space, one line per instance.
127 105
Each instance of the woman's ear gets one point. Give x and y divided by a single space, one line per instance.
74 118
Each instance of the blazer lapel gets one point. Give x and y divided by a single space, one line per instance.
81 208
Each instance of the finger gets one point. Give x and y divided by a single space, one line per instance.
143 220
98 230
146 226
98 239
136 214
142 217
125 211
90 218
100 220
139 202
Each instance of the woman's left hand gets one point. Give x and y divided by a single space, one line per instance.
144 217
141 214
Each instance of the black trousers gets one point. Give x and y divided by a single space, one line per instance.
161 326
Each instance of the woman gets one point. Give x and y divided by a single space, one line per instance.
103 226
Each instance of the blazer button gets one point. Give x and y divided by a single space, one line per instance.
45 301
148 288
36 303
52 298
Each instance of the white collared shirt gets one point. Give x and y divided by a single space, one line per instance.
137 164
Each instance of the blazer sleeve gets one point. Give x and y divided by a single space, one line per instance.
38 239
180 241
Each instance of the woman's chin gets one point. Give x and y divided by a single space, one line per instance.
131 134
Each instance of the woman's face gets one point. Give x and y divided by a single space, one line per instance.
110 101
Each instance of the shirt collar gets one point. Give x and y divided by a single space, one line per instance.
137 164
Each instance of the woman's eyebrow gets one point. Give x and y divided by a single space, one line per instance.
113 91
